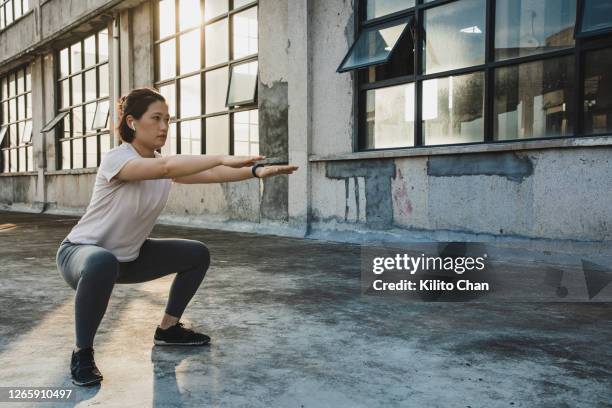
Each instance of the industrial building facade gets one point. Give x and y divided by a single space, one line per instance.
409 119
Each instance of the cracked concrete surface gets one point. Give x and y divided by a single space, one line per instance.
289 328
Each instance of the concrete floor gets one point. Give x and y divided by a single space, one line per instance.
290 329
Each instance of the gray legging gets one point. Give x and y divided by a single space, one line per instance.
93 271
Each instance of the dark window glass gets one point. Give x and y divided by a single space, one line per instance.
454 35
379 8
524 27
535 99
389 117
597 16
453 109
598 92
373 46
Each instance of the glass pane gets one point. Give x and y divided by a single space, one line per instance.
390 117
190 96
214 8
5 161
534 99
67 126
22 159
90 85
90 112
191 136
526 27
217 135
246 133
66 152
26 137
243 83
217 47
12 134
216 90
3 88
240 3
3 131
103 74
167 17
455 35
92 151
77 121
169 92
64 67
103 45
373 45
12 86
597 96
597 15
77 89
1 19
29 105
5 113
65 93
30 166
100 120
189 14
26 5
453 109
17 12
21 113
167 60
190 51
28 79
13 160
8 11
90 51
77 153
105 143
20 82
244 34
12 110
75 55
378 8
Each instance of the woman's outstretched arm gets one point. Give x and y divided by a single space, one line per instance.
180 165
224 174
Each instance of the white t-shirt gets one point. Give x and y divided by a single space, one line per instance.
121 214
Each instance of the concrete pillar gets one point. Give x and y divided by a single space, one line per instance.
38 121
143 33
300 111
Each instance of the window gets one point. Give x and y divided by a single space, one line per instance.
16 121
595 17
480 71
11 11
206 68
82 120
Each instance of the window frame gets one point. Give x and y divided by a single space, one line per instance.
57 123
174 80
3 24
360 86
21 117
578 33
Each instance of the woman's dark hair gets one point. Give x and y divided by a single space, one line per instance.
136 104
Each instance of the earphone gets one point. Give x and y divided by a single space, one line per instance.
133 127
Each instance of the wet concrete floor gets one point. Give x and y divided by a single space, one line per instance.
290 328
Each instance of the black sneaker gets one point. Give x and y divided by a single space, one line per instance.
178 335
83 368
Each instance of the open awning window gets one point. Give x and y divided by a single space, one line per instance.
27 132
242 86
100 120
595 17
57 119
375 45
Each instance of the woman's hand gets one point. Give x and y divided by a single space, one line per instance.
237 162
276 170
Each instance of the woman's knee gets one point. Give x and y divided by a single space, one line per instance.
101 266
203 255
